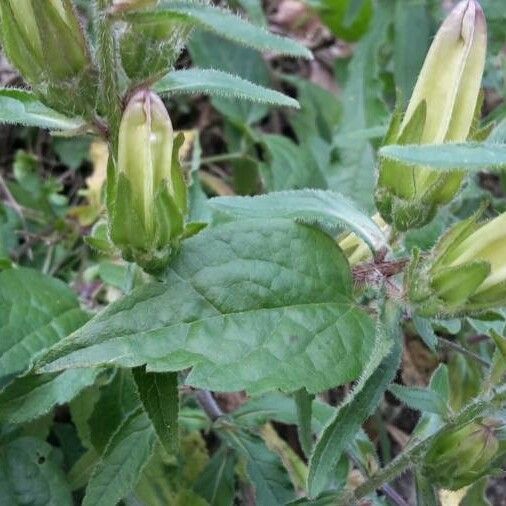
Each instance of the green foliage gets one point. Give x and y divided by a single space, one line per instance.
284 331
215 82
52 311
30 474
109 373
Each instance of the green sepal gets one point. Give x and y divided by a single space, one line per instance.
412 132
455 285
16 47
443 250
99 239
179 185
127 229
495 296
149 49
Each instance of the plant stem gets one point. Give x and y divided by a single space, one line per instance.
413 454
225 157
457 347
108 62
209 404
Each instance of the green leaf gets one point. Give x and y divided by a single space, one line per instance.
347 19
33 396
119 398
304 403
30 475
160 398
424 328
328 209
124 457
224 23
363 108
413 27
449 157
290 166
476 494
36 311
216 483
360 403
250 305
420 399
216 82
211 51
20 107
426 494
264 468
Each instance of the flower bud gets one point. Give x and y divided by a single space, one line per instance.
149 204
149 49
44 40
442 109
460 457
467 273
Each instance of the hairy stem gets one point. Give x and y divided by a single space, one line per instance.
414 453
108 61
446 343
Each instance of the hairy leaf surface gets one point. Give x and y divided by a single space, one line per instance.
250 305
36 311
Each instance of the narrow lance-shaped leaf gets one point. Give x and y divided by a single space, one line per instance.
33 396
361 402
122 461
160 397
216 483
223 23
421 399
21 107
264 468
222 84
304 402
471 157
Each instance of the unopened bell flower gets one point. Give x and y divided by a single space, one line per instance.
45 41
460 457
442 109
149 204
467 272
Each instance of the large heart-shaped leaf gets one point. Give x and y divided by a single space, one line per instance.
250 305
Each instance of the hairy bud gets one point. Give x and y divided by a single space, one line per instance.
44 40
467 271
442 109
459 458
150 200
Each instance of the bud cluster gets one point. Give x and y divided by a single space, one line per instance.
460 457
45 41
149 48
442 109
467 270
